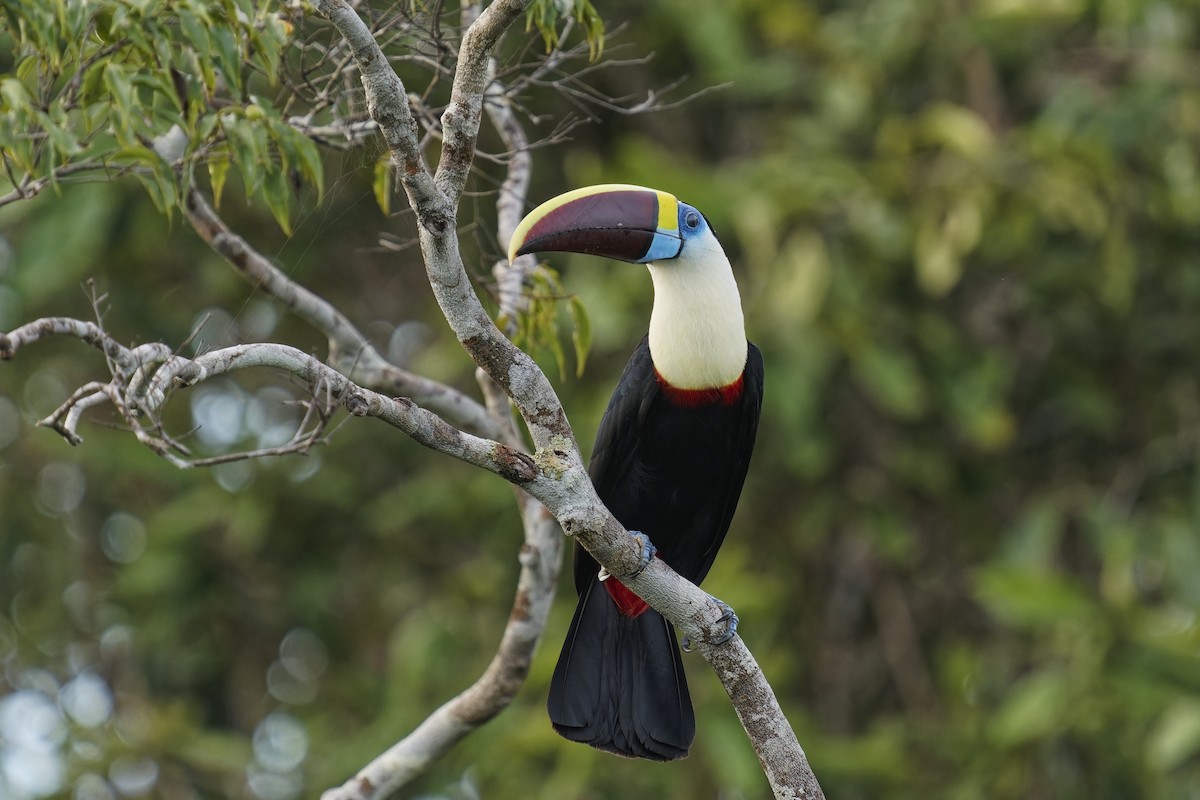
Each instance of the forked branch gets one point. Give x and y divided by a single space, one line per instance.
562 484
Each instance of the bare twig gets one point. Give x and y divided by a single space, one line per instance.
421 424
510 203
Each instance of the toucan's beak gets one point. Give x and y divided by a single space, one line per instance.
614 220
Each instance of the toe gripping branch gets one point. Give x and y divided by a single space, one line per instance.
648 551
728 616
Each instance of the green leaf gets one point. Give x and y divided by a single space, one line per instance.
1176 738
229 59
581 334
310 164
298 152
161 88
1032 599
16 97
277 191
382 184
1036 707
160 179
60 136
267 42
195 27
544 16
120 88
218 169
91 89
251 149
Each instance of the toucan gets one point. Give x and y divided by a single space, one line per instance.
669 461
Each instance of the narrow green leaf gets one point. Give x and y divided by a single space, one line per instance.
60 136
161 87
17 146
229 59
1176 738
218 169
28 70
195 31
251 149
278 194
120 88
15 96
311 166
267 45
91 89
1035 708
556 349
581 334
159 180
383 184
206 126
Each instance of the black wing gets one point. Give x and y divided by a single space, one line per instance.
673 473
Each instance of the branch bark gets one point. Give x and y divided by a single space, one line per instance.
562 484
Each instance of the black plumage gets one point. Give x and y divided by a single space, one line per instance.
670 464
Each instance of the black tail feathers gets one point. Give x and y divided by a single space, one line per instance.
619 684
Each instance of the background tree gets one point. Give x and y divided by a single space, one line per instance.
966 555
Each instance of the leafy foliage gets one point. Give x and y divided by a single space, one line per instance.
541 324
153 89
966 555
544 16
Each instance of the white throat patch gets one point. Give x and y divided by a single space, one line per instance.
697 330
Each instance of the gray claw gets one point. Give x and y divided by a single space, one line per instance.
728 616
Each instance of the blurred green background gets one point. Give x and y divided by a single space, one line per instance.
968 553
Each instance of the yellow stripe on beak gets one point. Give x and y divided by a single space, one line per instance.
668 212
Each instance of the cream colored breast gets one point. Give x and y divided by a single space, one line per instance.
697 330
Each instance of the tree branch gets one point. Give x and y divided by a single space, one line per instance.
349 350
176 371
562 483
386 102
460 121
511 368
540 555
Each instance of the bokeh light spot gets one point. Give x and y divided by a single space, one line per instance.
123 537
87 699
61 487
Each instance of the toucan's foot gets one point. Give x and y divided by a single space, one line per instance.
728 616
648 551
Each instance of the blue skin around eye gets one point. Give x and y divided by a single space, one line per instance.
686 231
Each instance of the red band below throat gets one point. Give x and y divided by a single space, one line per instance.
694 398
628 603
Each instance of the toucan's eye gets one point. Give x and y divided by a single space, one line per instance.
692 220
